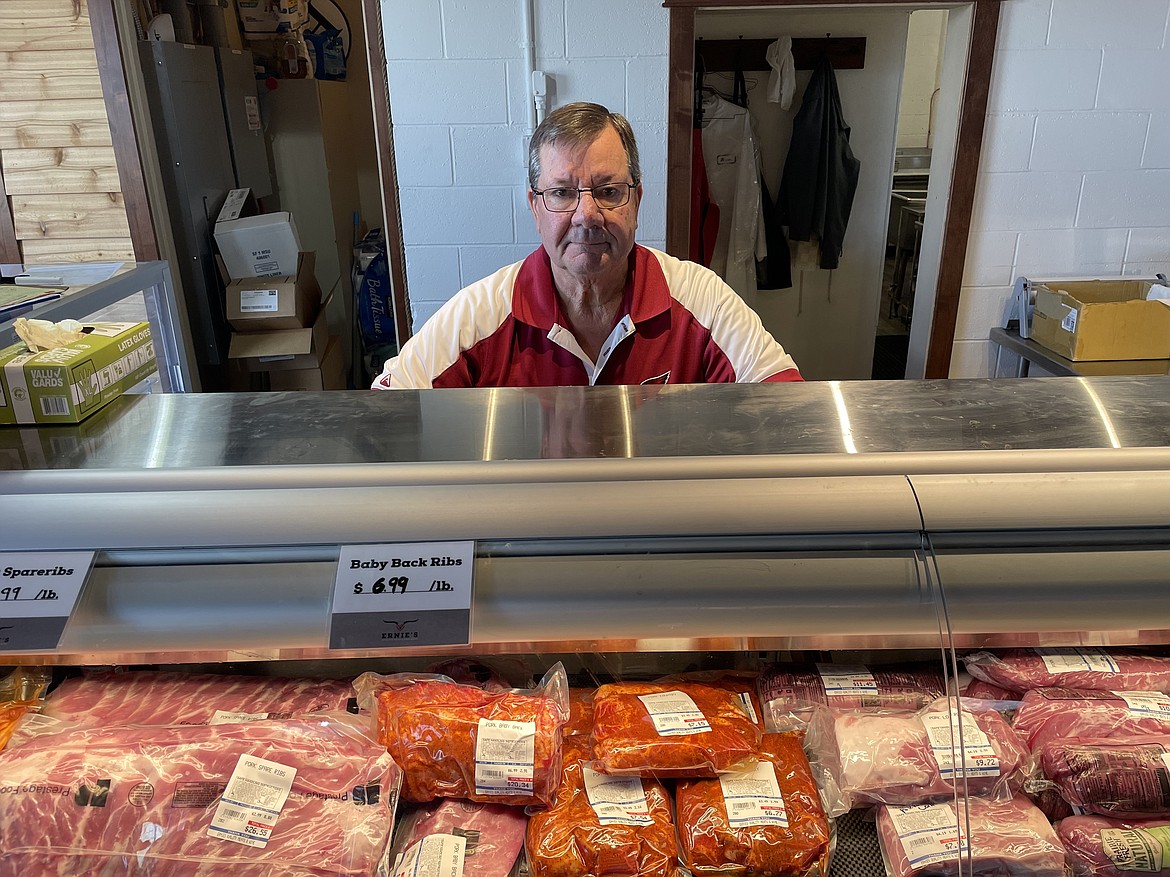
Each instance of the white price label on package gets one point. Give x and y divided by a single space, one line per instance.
402 594
38 592
251 803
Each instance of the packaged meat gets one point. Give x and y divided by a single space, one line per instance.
998 838
147 697
1099 846
21 690
471 671
580 712
1048 714
743 684
1125 777
602 825
459 741
765 822
263 799
1083 668
786 690
493 834
903 758
671 729
977 689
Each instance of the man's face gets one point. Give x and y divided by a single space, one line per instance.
589 243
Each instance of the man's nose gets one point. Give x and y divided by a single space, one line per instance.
587 210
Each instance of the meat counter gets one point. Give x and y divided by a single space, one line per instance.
626 532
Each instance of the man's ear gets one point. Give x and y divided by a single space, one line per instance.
532 203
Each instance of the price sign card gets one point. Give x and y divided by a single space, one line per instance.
38 590
402 595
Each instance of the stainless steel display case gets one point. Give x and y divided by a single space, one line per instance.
823 516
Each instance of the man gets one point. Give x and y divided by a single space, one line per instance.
589 306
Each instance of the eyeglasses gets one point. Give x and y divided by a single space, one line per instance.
564 199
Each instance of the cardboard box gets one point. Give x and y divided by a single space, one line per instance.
262 304
329 375
283 348
266 245
70 383
1086 320
239 203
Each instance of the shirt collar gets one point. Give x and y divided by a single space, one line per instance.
534 295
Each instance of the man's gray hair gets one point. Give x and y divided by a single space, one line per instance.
579 124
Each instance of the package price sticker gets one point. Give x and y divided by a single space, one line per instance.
38 592
402 594
251 804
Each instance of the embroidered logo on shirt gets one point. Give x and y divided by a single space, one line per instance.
660 379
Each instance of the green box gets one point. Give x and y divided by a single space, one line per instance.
70 383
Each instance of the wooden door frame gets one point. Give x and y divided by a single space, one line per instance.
968 146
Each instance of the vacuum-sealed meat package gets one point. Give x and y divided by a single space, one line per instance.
744 684
1125 777
1099 846
263 799
492 834
602 825
764 822
580 712
1046 715
1006 839
671 729
148 697
1083 668
918 757
785 690
459 741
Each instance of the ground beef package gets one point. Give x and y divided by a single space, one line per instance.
289 798
1098 846
767 822
1095 669
459 741
148 697
675 729
1046 715
1007 839
905 758
602 825
1126 777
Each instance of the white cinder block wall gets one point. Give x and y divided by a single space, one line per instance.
1075 176
458 97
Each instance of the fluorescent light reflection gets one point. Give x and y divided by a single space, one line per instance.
1101 412
627 423
489 427
843 416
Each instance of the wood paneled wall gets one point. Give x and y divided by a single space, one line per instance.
63 198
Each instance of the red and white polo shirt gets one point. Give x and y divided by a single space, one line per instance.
682 325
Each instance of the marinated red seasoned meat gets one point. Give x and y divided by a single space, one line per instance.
459 741
753 826
914 758
494 833
147 697
1098 846
677 729
20 691
1046 715
1007 839
625 829
139 800
1125 777
744 684
1081 668
580 712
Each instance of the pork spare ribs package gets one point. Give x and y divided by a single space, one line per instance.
903 758
1004 839
1097 669
483 840
766 821
460 741
1099 846
287 798
671 729
149 697
602 825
